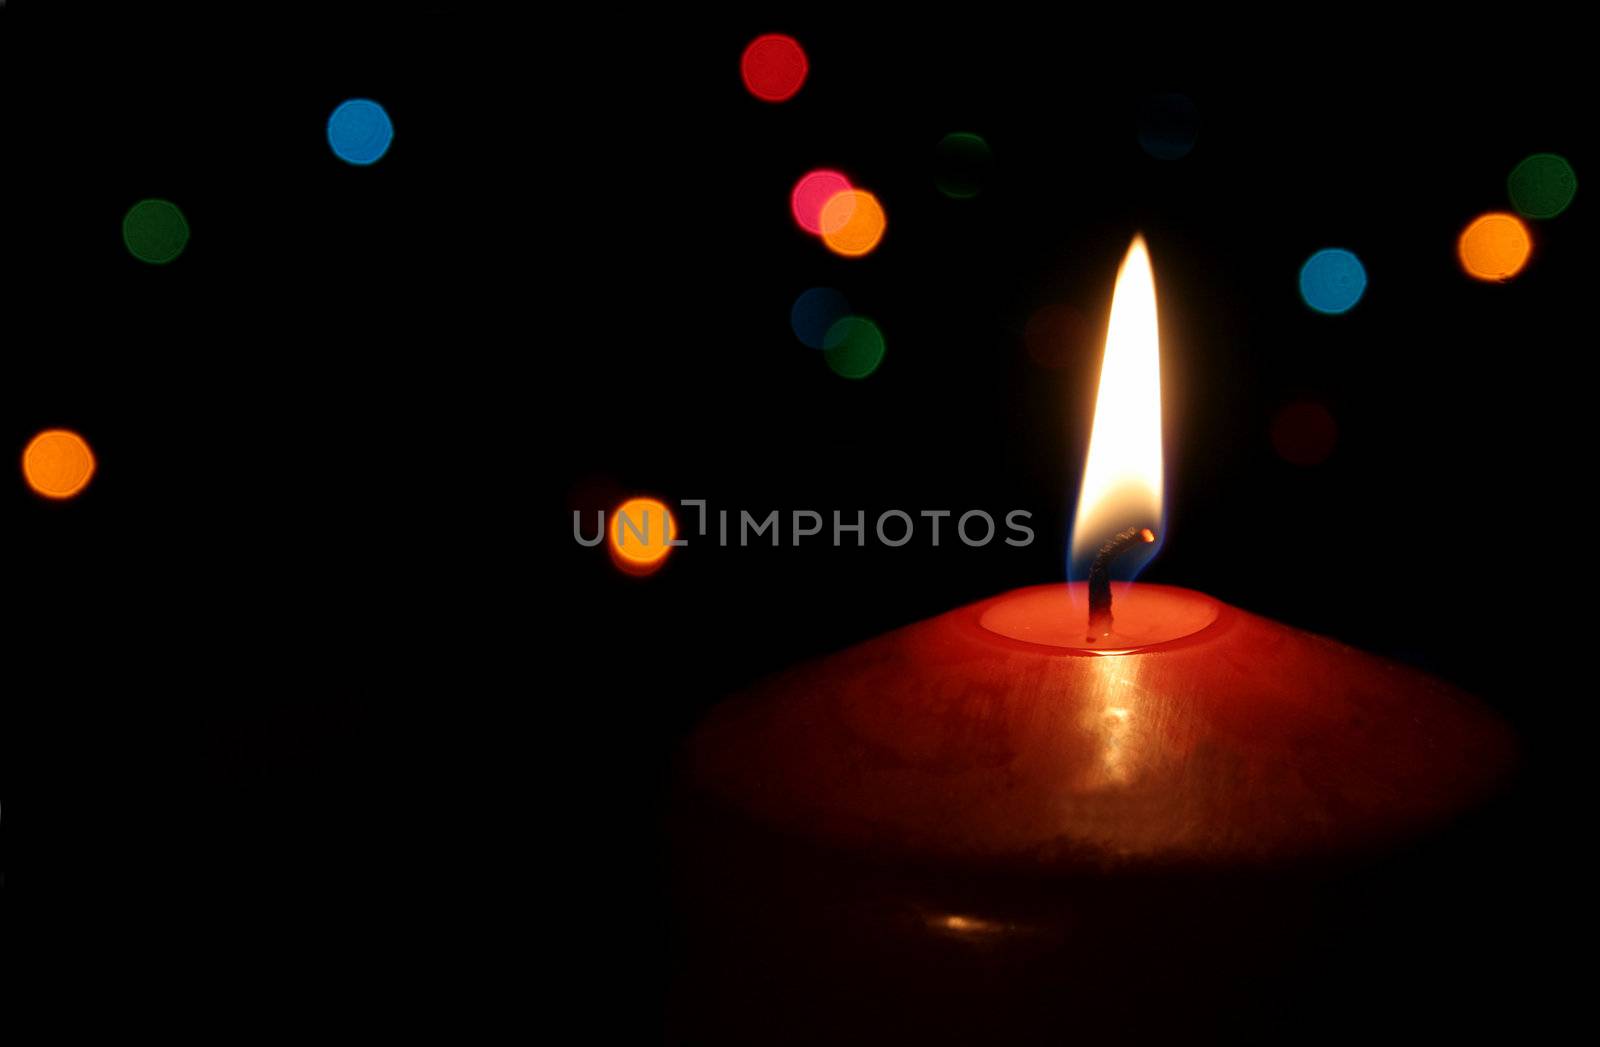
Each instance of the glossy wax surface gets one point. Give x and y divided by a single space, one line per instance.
1236 741
1058 616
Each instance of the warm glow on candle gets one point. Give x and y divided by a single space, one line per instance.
1122 478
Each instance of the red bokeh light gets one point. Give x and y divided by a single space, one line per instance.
812 193
774 67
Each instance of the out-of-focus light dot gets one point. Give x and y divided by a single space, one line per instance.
811 194
155 231
962 164
774 67
1169 124
1542 186
57 463
359 131
1494 246
1057 335
853 347
641 529
814 312
853 223
1304 433
1332 281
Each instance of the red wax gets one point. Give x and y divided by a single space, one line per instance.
1197 734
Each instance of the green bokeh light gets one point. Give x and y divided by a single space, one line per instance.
155 231
1542 186
853 347
963 161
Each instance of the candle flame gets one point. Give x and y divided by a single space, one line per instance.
1122 480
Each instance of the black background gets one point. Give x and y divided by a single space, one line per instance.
313 689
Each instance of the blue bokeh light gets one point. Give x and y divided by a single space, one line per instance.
359 131
814 312
1169 125
1332 280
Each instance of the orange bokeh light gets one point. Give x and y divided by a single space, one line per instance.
641 532
1494 246
852 223
57 463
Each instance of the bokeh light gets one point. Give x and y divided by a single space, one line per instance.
812 193
853 347
1304 433
359 131
774 67
57 463
641 530
155 231
1494 246
1332 281
962 164
814 312
1542 186
1169 125
853 223
1058 334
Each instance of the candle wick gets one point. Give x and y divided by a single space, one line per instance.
1100 578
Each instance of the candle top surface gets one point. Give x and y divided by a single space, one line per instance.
1057 616
971 736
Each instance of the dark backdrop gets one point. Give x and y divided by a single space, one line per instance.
313 685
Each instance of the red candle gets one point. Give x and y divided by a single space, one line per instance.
999 734
1076 723
983 828
1061 774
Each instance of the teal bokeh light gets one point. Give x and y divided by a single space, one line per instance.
359 132
1332 281
814 312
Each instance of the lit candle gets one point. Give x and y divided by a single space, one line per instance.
1103 721
1098 730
